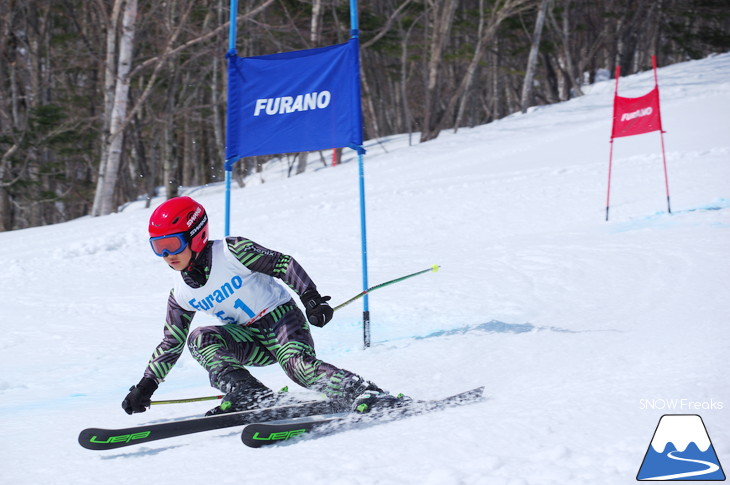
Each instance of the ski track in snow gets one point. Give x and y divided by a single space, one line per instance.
569 321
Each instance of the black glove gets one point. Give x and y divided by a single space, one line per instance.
138 399
319 312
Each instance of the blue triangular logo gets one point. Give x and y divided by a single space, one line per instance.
681 450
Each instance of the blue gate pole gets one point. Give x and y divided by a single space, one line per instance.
227 226
232 26
228 163
363 234
363 227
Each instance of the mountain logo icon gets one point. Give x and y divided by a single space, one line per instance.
680 450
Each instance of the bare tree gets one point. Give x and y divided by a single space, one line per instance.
527 85
568 79
441 14
315 33
486 33
109 168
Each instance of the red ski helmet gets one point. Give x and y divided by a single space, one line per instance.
181 215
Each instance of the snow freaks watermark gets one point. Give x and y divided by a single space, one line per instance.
680 449
680 405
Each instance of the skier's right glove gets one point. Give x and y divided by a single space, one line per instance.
138 399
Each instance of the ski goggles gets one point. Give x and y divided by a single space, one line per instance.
169 245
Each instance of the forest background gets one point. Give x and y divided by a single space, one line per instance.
103 102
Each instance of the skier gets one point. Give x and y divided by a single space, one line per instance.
260 324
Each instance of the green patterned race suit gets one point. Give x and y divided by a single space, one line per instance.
281 336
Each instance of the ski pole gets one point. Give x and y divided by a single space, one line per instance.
205 398
190 399
434 268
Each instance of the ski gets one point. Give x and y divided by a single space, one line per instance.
109 439
265 433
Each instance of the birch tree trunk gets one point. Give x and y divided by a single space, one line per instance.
441 15
215 86
527 84
110 72
315 32
109 168
407 116
471 70
302 163
315 38
169 151
568 79
169 162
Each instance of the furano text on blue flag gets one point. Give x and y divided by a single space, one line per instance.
289 104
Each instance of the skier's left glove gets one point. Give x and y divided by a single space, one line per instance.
138 399
319 312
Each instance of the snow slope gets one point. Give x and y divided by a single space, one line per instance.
580 329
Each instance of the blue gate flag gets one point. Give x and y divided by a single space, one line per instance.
294 101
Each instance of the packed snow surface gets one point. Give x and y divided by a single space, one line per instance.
584 332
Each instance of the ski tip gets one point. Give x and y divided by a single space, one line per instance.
479 391
83 438
97 439
472 395
435 267
109 439
251 442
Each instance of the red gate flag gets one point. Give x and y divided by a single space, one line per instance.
634 116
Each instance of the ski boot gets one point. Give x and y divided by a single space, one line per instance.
243 392
378 400
362 396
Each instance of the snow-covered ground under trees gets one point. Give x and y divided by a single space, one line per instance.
581 330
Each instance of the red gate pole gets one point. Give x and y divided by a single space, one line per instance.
610 155
666 178
661 135
610 163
